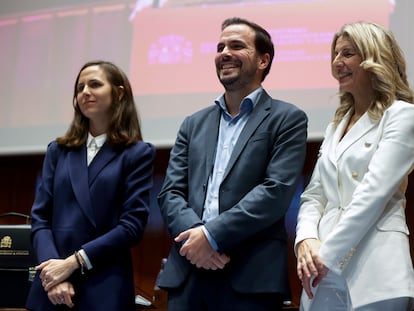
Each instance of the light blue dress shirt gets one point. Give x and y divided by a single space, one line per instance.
229 132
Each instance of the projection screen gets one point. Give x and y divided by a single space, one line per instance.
167 48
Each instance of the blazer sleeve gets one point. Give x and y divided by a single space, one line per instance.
173 197
42 208
312 205
313 199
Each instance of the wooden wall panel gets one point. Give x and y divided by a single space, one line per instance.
18 176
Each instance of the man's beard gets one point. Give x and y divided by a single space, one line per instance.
237 82
230 83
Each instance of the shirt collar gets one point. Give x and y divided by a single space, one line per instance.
246 106
99 140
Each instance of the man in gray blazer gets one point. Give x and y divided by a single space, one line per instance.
232 174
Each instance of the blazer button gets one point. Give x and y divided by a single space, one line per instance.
355 174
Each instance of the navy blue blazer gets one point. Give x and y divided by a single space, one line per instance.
103 209
258 185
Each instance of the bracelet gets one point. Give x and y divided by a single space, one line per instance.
79 262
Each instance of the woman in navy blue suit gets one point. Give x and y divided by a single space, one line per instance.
93 203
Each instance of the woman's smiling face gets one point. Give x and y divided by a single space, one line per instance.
346 69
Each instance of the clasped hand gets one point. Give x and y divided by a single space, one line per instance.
197 249
310 265
62 294
53 274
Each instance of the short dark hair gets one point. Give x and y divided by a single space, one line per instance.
263 40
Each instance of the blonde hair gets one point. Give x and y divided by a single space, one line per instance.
383 59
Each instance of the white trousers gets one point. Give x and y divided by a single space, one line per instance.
332 295
397 304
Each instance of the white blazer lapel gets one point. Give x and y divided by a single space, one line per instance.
331 140
359 129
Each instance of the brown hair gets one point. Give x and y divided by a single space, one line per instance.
124 125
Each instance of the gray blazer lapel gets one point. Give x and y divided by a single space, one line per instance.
79 178
256 117
213 121
104 155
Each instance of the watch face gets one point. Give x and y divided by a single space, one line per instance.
170 49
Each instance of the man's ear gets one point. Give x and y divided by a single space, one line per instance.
264 61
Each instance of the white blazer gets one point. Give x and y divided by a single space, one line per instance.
355 201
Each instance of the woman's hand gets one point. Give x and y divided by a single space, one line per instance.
55 271
309 264
62 294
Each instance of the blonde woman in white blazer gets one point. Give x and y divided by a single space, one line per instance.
352 241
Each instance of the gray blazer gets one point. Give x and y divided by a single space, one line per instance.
256 191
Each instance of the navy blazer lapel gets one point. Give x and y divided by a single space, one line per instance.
78 173
104 155
258 114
